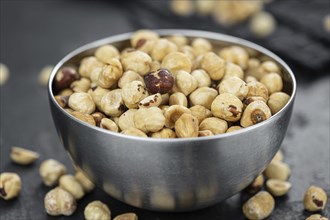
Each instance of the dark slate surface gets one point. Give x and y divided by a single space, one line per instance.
37 33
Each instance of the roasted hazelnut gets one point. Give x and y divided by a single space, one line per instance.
128 77
189 51
160 81
165 99
315 199
182 8
178 98
4 74
126 216
186 126
273 82
203 79
236 55
215 125
94 76
214 65
51 170
88 65
233 128
149 119
65 92
179 39
151 101
256 185
83 117
259 206
59 202
277 170
205 133
106 53
98 117
317 216
254 113
201 46
133 93
262 24
142 35
161 48
253 68
197 62
257 89
173 113
108 124
176 61
203 96
23 156
251 99
81 85
267 67
62 100
164 133
134 132
71 185
227 106
277 101
278 187
200 112
44 75
235 86
110 74
64 77
233 70
126 120
112 103
97 94
82 102
87 185
10 185
185 82
97 210
155 65
136 61
278 156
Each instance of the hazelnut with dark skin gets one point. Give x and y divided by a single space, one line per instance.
160 81
64 77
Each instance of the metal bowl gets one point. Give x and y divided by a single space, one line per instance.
172 174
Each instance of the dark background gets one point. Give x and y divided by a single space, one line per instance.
38 33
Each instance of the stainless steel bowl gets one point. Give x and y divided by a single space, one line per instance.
172 174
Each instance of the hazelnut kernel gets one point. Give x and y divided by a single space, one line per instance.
160 81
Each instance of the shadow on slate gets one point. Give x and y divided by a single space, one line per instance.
299 38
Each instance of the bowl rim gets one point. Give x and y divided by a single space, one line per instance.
166 32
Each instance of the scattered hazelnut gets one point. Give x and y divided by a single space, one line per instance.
126 216
23 156
278 187
10 185
59 202
97 210
4 74
256 185
51 170
87 185
44 75
277 170
315 199
72 185
259 206
316 217
262 24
